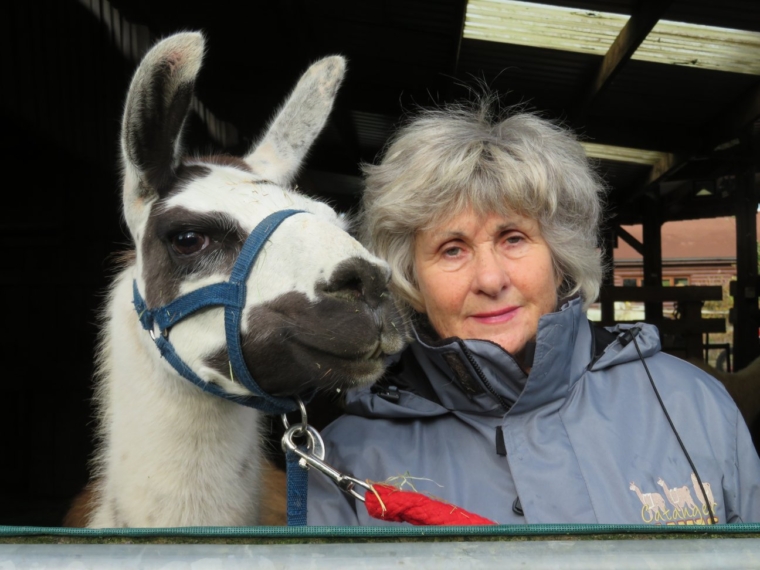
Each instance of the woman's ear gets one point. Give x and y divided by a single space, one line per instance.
415 299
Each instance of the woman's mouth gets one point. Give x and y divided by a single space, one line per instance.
498 316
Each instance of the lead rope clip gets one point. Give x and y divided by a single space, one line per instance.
302 456
314 456
383 502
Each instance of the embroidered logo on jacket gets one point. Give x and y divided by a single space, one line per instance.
680 508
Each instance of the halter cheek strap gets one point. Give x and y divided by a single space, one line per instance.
231 295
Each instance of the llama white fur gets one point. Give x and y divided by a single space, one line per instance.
170 454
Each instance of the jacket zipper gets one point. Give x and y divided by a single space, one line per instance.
483 378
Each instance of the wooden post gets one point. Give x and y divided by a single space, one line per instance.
652 226
745 311
691 312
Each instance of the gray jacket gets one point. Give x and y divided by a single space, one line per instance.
581 439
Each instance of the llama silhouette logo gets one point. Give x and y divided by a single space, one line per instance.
680 508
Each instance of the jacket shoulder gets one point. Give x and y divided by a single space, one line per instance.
674 377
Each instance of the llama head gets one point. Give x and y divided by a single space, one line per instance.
317 312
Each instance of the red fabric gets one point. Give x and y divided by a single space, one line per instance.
414 508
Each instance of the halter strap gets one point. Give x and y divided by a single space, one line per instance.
231 295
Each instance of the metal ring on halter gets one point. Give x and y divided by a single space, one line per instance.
315 459
304 418
164 333
315 446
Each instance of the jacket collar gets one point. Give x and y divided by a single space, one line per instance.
480 376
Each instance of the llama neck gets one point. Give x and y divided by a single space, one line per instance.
670 494
171 454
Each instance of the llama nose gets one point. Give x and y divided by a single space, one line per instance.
358 279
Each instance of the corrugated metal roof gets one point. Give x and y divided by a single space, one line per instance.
372 129
738 14
671 95
547 79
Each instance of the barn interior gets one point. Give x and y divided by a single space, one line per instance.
664 94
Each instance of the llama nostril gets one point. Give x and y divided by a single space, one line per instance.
351 289
357 280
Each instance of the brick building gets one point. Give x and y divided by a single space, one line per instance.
694 252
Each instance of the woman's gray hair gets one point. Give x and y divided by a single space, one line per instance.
447 160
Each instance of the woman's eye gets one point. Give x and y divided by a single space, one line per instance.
452 251
188 243
514 239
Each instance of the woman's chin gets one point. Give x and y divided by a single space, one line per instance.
511 340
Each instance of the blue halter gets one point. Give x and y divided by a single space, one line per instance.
231 294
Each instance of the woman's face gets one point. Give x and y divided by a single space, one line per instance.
486 277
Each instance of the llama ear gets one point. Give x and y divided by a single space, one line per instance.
157 105
278 156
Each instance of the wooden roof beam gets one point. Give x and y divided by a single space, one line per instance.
666 166
637 246
644 18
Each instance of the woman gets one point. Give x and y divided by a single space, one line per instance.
508 403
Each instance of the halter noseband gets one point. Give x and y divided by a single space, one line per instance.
230 294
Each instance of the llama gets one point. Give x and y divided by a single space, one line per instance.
316 313
709 500
653 502
679 498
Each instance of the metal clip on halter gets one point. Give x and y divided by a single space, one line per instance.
314 455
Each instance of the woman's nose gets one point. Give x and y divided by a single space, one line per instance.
491 275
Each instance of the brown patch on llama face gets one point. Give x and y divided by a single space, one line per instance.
164 269
183 176
338 341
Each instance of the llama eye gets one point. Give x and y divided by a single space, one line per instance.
188 243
